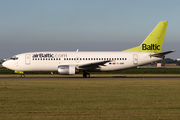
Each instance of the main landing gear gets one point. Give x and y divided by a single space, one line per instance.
86 75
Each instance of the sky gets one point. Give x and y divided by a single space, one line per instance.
87 25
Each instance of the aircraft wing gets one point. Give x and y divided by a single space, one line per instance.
93 65
161 54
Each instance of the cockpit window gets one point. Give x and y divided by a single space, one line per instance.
14 58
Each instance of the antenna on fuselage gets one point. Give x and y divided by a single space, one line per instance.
77 50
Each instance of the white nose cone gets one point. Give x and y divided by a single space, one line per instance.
4 64
8 64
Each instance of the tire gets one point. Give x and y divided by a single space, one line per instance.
22 75
86 75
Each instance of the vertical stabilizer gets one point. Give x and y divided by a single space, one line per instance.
153 43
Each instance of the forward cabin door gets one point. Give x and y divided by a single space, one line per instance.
27 59
135 59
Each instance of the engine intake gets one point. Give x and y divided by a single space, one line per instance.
66 70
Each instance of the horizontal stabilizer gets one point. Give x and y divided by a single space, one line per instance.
161 54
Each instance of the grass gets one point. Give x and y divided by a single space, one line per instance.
92 98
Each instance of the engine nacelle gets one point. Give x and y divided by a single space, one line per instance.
66 70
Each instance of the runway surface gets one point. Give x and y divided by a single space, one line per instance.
99 78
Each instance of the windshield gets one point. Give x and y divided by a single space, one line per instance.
14 58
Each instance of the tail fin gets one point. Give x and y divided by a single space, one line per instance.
153 43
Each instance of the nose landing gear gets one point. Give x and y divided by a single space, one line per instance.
22 75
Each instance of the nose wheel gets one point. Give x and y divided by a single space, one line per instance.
86 75
22 75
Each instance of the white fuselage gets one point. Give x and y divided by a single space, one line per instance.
49 61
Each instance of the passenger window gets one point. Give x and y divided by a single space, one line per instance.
88 58
59 58
125 58
117 58
122 58
96 58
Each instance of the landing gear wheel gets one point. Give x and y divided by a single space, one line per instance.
22 75
86 75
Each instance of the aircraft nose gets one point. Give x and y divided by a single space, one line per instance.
7 64
4 64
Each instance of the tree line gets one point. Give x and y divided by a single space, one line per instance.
1 61
169 61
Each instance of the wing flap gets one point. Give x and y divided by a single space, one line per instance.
93 65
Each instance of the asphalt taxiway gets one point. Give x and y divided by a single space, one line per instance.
92 78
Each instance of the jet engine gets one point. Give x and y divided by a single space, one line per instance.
66 70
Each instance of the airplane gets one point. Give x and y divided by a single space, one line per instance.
70 63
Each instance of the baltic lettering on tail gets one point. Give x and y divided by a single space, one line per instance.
150 47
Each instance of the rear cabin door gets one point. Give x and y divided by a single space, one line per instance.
135 59
27 59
